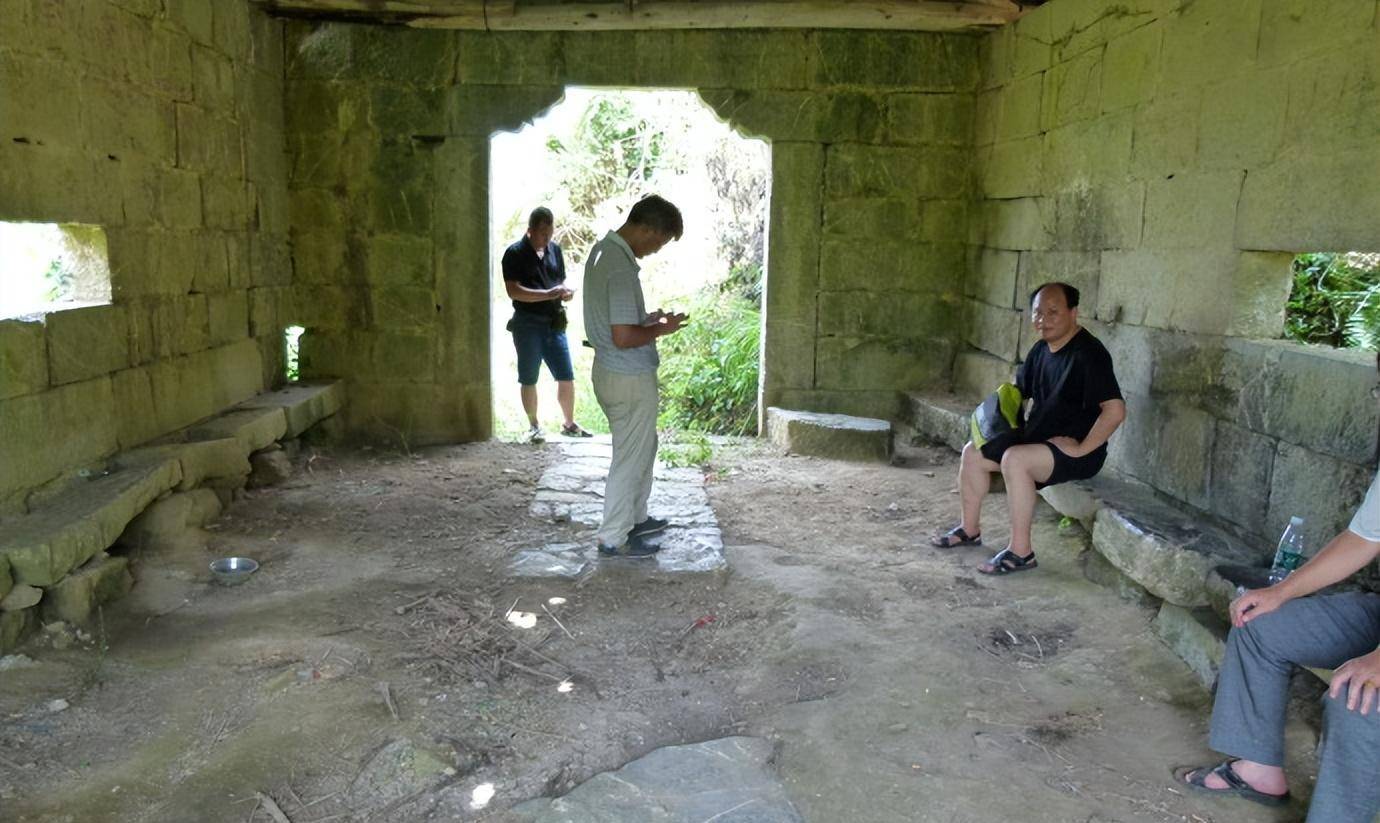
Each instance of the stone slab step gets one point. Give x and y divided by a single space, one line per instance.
940 418
76 596
303 404
64 533
836 436
254 428
1198 636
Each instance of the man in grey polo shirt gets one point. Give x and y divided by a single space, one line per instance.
623 334
1278 628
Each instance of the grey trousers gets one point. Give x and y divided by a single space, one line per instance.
1253 690
630 403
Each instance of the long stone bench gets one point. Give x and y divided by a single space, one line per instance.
837 436
1172 554
57 550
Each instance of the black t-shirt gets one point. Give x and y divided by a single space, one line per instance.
1067 387
520 263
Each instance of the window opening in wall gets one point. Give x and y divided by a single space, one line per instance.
292 338
1335 300
589 159
47 267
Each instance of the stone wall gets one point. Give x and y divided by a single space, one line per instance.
1170 158
388 143
161 123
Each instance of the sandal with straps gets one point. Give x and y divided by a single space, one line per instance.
1195 777
1008 562
955 537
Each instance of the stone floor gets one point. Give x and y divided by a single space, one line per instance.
572 491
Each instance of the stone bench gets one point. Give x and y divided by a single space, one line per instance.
1142 543
836 436
56 550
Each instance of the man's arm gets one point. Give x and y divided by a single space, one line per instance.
1112 413
1347 554
522 294
630 337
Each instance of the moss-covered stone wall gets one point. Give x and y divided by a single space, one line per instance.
161 123
1170 158
388 144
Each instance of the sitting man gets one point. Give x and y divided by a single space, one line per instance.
1277 628
1076 405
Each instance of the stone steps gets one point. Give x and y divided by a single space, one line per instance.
1145 544
835 436
57 546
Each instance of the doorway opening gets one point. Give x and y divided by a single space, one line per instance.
589 159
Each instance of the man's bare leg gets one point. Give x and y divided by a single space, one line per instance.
565 396
974 481
529 404
1022 467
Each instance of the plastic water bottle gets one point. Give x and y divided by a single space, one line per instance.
1290 554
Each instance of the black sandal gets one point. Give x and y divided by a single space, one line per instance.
1008 562
947 539
1195 777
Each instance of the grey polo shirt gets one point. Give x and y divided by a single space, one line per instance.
1366 522
613 296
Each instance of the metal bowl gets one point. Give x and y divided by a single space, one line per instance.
233 570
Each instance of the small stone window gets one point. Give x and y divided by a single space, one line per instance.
48 267
1334 300
292 339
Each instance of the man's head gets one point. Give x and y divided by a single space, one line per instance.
540 226
652 223
1054 311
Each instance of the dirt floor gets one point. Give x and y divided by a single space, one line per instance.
367 672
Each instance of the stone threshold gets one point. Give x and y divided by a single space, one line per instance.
58 546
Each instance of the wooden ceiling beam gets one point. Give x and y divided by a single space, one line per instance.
623 15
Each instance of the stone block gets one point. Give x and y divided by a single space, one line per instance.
270 260
882 404
419 57
270 310
939 119
790 306
1334 102
1097 569
403 307
1011 169
1209 40
208 142
994 329
303 404
6 578
399 260
254 428
1185 449
1239 485
716 59
880 218
1145 287
227 203
270 467
918 60
236 372
402 355
1312 202
21 597
1032 45
86 342
882 313
14 626
1165 139
856 170
835 436
1167 551
41 100
937 268
1244 127
1131 68
940 418
1088 153
886 363
1197 636
509 58
805 116
23 358
193 17
29 453
1018 113
1295 481
944 221
1261 283
987 117
213 80
137 420
1020 224
1079 25
423 413
52 539
993 279
1072 91
1290 29
479 111
75 598
977 374
228 315
219 462
994 57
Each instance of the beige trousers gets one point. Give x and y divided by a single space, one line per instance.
630 403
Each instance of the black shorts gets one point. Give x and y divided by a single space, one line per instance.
1065 468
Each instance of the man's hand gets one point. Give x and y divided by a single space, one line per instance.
654 318
1068 446
672 322
567 293
1360 676
1255 603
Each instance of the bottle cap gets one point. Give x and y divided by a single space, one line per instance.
1296 521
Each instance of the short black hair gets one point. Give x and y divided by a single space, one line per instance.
658 214
541 216
1070 293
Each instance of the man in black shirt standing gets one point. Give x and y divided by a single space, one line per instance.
534 275
1076 404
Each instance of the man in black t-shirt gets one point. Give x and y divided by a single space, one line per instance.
534 275
1075 405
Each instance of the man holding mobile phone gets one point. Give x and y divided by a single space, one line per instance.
623 334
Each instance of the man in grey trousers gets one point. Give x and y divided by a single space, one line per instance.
1278 628
623 334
